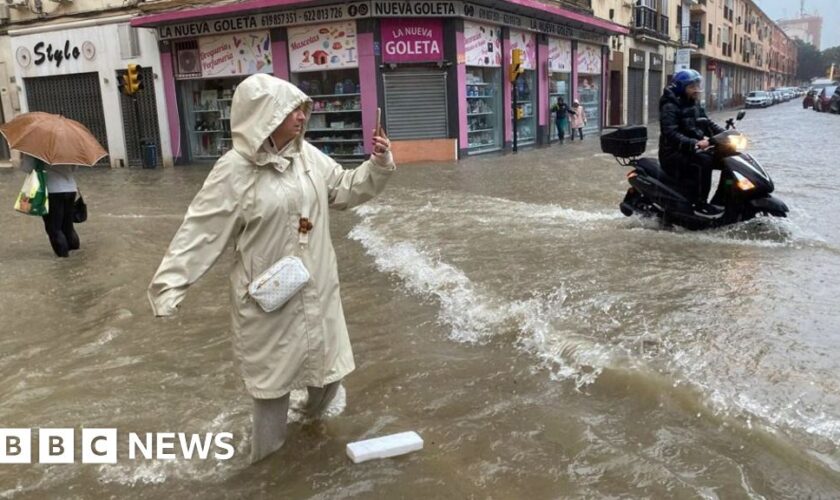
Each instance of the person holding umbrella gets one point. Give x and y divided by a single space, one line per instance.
60 144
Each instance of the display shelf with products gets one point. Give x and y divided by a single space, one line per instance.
483 102
589 90
206 107
335 121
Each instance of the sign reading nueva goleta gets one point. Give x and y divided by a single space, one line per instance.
358 10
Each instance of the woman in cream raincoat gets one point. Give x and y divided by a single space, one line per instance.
254 196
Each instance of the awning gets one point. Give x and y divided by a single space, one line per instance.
539 17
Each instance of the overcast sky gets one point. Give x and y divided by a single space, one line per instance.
828 9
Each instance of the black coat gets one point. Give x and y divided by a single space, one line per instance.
680 130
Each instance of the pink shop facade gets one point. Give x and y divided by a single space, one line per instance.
438 70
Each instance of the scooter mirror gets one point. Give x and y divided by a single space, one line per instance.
741 115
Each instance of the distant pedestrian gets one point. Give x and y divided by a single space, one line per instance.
578 119
61 187
561 118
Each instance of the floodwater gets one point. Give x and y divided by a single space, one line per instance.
542 344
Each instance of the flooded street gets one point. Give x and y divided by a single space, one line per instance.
542 344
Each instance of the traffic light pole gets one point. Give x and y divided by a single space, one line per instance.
514 114
138 124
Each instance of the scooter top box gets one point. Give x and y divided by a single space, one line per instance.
626 142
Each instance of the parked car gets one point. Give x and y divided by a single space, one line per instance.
834 102
777 97
758 99
823 99
808 100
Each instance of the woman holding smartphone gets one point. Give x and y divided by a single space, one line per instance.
270 196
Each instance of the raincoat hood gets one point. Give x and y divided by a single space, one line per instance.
260 104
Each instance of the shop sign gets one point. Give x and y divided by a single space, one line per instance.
559 55
412 40
483 45
45 52
235 54
637 59
324 46
409 8
525 41
711 66
655 62
341 12
683 59
589 59
495 16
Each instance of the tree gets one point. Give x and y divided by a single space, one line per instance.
810 61
829 56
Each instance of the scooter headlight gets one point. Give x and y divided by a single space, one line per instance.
743 183
738 143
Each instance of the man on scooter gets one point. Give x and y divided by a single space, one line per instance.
684 139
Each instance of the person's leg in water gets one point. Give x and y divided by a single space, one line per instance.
54 222
271 418
319 398
269 427
73 242
561 132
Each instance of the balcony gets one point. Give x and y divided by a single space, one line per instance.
649 23
578 5
692 36
698 6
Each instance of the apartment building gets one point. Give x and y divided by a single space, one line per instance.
732 43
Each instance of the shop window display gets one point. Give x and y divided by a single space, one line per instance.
525 96
484 104
335 125
589 92
206 104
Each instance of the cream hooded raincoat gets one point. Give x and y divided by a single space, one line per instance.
253 196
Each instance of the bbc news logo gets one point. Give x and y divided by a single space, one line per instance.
100 446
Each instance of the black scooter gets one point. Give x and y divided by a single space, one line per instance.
743 192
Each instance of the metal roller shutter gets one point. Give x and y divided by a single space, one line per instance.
75 96
635 96
148 119
654 93
415 104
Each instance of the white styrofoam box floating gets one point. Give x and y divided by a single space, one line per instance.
384 447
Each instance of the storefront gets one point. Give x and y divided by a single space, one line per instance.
71 69
438 71
559 79
207 70
589 65
324 63
526 87
483 52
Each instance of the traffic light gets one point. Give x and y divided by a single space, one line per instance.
132 80
516 67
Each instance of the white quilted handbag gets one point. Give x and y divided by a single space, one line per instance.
279 283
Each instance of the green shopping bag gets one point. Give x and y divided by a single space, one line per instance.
33 198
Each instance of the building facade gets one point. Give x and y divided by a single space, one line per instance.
67 57
437 69
806 28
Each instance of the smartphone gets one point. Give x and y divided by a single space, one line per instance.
378 129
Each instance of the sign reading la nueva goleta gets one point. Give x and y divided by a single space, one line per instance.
358 10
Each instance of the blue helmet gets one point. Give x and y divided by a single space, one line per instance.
683 79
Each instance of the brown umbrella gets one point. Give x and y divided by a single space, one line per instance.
53 139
